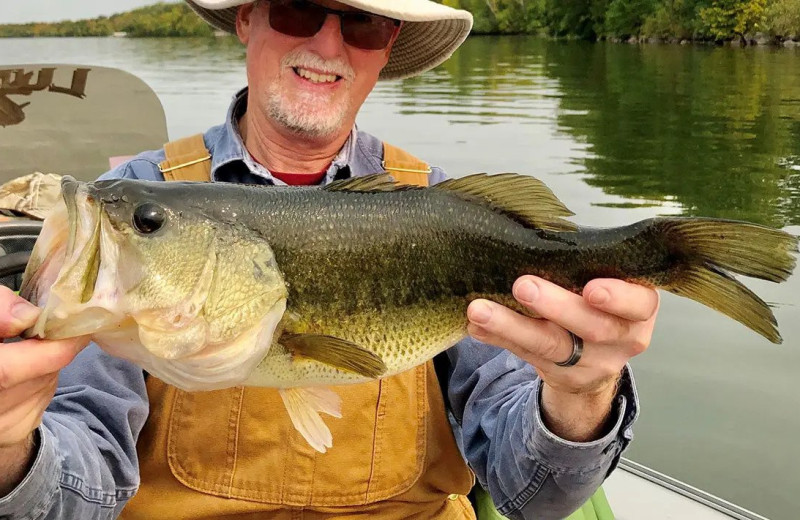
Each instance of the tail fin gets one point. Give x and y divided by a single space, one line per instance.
711 248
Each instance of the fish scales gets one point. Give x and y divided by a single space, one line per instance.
419 245
393 272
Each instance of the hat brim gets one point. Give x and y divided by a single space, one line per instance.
431 32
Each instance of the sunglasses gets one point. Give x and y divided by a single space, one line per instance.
303 19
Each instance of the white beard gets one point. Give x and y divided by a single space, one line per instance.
308 114
305 113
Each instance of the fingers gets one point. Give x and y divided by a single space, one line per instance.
16 314
28 369
526 337
25 360
569 310
574 313
28 380
615 319
543 343
627 300
612 313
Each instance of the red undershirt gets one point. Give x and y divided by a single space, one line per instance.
300 179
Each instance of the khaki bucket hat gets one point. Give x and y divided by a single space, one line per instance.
32 195
430 34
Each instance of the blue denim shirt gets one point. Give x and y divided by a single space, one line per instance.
86 466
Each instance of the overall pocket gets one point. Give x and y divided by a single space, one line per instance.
240 443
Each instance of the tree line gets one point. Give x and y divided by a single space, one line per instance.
159 20
710 20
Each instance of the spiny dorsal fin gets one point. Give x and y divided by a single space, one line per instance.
368 183
521 196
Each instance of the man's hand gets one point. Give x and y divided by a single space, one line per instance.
28 378
615 320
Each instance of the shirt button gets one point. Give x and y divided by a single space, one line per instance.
454 496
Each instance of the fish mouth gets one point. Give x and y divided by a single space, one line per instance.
64 272
83 244
83 274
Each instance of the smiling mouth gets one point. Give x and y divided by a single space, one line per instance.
316 77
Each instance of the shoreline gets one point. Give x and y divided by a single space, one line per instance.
750 40
757 40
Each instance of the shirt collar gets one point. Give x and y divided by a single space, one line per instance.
229 147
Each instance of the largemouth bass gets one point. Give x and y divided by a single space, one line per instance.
214 285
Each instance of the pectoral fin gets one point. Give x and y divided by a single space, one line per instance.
335 352
304 406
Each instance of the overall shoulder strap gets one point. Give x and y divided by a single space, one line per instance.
404 167
187 159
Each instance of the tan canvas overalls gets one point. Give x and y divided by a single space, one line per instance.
234 453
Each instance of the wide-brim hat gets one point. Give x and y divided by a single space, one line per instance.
430 34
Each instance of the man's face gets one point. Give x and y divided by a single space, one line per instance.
311 86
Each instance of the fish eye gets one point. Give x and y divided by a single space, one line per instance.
148 218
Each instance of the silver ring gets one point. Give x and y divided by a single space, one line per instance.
577 352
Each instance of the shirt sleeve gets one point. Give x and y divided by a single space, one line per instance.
86 465
529 472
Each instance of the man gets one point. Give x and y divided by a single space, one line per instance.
540 421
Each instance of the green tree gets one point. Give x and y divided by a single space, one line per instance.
724 19
173 19
503 16
570 18
673 18
782 18
625 17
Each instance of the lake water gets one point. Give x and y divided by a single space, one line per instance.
619 133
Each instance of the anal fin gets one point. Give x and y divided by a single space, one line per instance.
304 405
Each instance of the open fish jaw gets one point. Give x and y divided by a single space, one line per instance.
86 274
71 275
47 257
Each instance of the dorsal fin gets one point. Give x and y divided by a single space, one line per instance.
374 182
522 197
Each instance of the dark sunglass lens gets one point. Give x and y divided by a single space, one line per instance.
296 17
366 31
